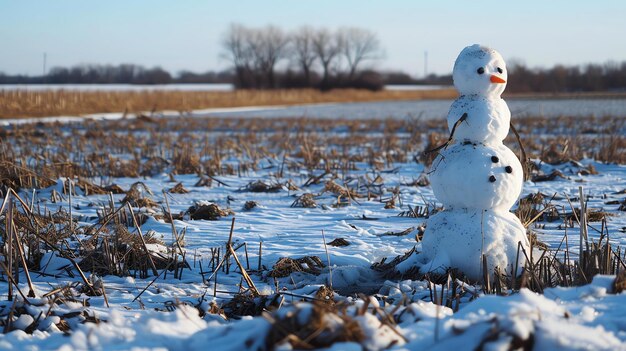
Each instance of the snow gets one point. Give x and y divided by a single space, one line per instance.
469 81
586 317
53 264
417 110
487 119
463 236
524 316
167 316
544 323
460 176
487 115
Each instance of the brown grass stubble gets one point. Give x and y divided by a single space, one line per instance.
36 155
22 103
132 148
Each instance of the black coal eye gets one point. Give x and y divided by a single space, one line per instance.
481 70
500 70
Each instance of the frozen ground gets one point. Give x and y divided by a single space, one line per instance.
429 109
567 318
418 110
167 315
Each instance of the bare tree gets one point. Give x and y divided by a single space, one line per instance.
268 46
256 52
304 51
236 45
327 49
358 45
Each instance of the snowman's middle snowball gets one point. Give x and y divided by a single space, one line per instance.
474 175
487 120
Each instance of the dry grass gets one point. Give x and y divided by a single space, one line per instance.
560 266
38 155
286 265
565 139
308 329
134 147
112 245
306 200
324 151
328 149
65 310
22 103
207 211
339 242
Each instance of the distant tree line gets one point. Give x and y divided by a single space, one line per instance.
610 76
121 74
307 57
270 58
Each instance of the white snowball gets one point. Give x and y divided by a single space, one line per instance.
477 176
487 120
467 78
459 238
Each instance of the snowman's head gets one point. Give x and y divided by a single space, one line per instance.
479 70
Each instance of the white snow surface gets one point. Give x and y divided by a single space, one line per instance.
582 318
589 317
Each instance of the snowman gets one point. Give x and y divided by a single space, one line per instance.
476 177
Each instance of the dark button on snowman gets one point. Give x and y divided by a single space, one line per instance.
477 178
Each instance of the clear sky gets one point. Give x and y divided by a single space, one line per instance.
179 35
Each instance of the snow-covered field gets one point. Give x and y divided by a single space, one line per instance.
432 109
205 308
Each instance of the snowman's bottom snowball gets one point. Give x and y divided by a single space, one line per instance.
458 238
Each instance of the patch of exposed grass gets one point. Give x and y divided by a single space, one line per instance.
22 103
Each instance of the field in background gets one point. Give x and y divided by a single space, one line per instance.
21 103
35 101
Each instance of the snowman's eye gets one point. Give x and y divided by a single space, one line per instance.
481 70
500 70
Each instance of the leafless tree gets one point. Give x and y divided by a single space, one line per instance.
358 45
256 52
236 45
304 50
268 46
327 49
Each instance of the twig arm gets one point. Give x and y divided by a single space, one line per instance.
456 124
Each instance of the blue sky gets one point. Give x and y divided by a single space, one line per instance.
179 35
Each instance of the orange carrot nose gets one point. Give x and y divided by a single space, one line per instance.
496 79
